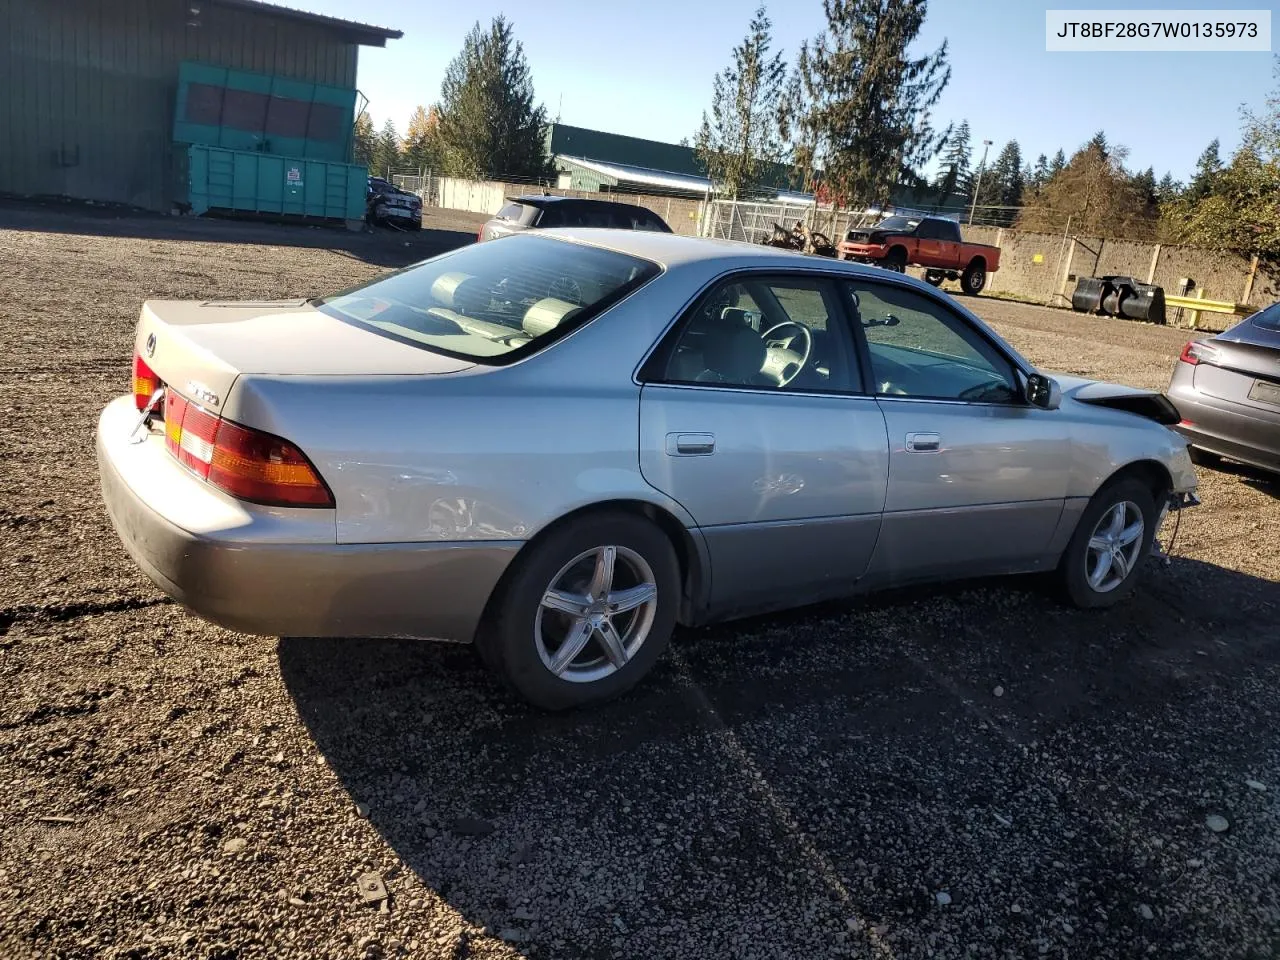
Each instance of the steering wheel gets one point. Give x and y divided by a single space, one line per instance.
781 363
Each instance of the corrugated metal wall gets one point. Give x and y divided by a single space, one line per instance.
87 87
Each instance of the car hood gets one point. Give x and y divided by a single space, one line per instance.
1152 404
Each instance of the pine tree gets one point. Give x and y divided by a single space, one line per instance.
1208 168
868 119
1039 174
1058 164
741 139
1168 189
1007 173
364 141
954 175
386 151
1099 140
1145 184
489 125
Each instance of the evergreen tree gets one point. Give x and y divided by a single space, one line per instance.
868 118
364 140
488 124
1208 167
953 176
1168 189
1058 164
386 151
1039 174
420 142
1007 173
741 139
1145 184
1099 140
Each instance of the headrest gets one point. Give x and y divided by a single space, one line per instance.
737 354
461 292
547 314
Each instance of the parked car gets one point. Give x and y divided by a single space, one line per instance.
387 203
545 212
561 445
930 242
1227 389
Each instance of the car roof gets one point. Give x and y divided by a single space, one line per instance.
538 200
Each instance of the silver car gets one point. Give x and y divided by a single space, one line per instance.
1227 389
562 445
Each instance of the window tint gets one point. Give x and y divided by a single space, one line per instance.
920 348
928 231
493 302
512 211
775 333
898 224
1268 319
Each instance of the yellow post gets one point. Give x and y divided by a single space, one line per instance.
1248 283
1195 314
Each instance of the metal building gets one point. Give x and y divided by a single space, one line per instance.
87 87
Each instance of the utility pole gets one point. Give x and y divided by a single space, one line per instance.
981 169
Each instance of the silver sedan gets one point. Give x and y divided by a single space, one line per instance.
562 445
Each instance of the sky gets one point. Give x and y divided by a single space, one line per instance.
646 69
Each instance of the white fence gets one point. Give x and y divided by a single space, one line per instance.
752 221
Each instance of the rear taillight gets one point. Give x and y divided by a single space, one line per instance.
145 381
246 463
1197 351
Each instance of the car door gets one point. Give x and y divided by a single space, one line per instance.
977 476
753 416
929 247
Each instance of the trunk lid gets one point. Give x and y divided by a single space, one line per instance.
199 348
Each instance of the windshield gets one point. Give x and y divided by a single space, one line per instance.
899 224
493 302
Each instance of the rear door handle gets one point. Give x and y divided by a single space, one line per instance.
691 444
923 443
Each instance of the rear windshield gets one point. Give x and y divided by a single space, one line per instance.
512 211
1268 319
493 302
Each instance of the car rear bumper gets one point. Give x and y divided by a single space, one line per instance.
278 572
1227 429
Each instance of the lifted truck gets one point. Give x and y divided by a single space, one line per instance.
930 242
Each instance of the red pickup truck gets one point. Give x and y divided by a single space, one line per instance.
930 242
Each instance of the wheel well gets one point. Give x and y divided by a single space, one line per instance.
692 573
979 261
1153 474
895 250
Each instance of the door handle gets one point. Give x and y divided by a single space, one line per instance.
923 443
691 444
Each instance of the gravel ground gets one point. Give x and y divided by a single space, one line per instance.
975 771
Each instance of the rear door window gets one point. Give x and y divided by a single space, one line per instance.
512 211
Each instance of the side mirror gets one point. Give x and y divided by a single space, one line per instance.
1043 392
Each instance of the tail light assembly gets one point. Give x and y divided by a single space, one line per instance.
246 463
1197 352
145 382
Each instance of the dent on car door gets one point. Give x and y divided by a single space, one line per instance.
752 418
977 477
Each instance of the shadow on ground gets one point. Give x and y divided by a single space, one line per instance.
381 246
820 777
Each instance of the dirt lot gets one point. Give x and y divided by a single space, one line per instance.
971 772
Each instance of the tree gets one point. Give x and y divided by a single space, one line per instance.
386 151
1039 174
1168 189
1240 212
420 142
1099 140
1145 184
1058 164
488 123
954 175
741 139
1096 193
1009 180
1208 167
867 103
363 140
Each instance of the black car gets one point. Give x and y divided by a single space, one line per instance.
544 212
387 203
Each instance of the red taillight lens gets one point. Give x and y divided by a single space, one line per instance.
145 381
246 463
1197 351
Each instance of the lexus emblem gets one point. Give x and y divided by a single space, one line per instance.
151 345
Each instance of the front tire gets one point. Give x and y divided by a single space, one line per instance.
1102 563
586 613
896 260
934 277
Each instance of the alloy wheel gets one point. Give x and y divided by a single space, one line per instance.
1114 546
596 614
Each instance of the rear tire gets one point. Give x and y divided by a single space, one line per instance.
1088 571
934 277
974 278
522 636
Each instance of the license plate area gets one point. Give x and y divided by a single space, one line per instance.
1265 392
